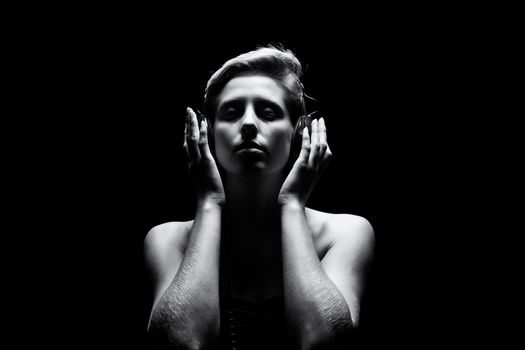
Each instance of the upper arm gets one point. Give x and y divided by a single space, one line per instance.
163 256
346 261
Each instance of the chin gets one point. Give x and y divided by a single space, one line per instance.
252 164
254 169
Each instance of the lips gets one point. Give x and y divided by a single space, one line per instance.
248 145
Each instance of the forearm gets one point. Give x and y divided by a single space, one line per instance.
317 311
188 313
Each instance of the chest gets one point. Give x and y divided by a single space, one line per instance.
255 273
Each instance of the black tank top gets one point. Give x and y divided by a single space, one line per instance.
245 324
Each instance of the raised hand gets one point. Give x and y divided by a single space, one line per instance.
203 169
307 169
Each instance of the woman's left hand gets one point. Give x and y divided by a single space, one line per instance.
307 169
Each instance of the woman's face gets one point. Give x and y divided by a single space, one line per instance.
252 126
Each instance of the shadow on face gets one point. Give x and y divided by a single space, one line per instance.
252 128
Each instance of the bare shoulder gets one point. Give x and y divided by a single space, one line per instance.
344 223
167 238
164 248
346 229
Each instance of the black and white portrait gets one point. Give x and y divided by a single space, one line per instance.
223 185
245 260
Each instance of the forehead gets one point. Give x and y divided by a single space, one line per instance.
252 87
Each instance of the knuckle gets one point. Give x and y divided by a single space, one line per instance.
308 167
303 164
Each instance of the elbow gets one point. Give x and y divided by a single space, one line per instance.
339 337
165 333
162 336
163 340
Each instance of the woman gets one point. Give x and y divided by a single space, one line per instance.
256 268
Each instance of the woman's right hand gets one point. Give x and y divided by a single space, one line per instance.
203 169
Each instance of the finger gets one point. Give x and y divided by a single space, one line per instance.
305 146
314 153
204 147
193 136
323 145
186 124
325 160
185 143
322 166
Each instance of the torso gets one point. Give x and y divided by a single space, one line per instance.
256 274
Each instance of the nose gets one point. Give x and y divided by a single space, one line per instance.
249 127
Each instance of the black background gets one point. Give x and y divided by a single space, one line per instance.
113 96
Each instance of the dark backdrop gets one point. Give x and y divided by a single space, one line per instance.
385 93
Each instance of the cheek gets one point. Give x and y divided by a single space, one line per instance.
222 142
281 144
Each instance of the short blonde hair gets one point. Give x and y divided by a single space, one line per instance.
275 62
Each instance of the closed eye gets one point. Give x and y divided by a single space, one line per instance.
269 113
230 113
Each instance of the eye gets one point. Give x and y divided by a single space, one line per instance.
230 113
269 113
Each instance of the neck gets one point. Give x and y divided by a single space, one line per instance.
251 204
252 197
